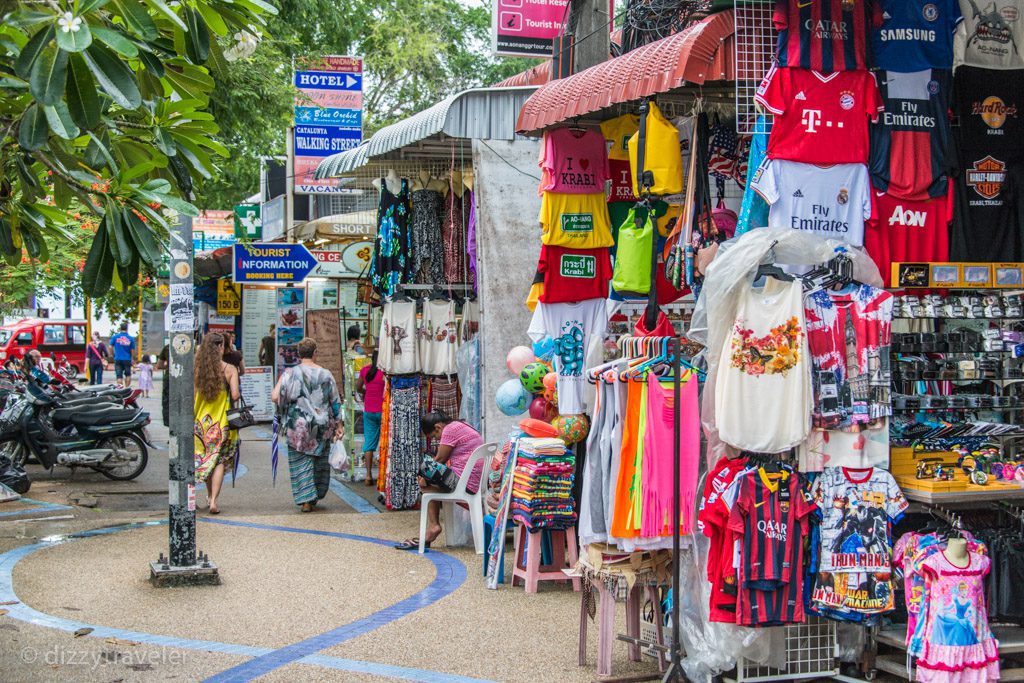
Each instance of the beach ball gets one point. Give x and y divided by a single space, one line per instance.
539 408
571 428
551 395
511 398
544 349
532 377
518 358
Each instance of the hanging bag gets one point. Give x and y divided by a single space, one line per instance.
240 415
633 255
661 154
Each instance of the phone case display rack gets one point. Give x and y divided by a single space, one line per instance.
978 339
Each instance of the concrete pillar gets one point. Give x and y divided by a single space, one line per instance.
508 247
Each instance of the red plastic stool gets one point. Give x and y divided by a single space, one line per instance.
528 568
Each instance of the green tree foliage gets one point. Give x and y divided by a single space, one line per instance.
415 53
104 109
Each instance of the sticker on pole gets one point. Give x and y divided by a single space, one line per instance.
191 497
270 263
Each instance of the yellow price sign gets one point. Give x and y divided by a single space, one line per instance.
229 299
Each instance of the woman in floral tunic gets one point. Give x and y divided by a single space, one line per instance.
307 397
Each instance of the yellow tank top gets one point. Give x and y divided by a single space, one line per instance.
575 220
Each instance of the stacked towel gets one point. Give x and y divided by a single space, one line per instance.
542 485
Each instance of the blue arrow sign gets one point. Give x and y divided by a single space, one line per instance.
328 80
270 263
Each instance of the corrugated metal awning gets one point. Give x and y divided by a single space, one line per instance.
701 53
478 114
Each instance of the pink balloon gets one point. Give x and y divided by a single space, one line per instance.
518 358
539 409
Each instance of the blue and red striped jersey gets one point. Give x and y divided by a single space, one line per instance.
825 35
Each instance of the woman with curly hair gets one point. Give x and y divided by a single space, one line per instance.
307 397
216 387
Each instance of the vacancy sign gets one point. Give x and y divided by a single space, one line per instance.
525 28
328 117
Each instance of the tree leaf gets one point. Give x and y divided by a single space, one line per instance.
152 64
83 101
128 275
33 131
114 76
120 246
48 76
197 43
213 20
61 122
164 9
33 48
116 41
6 239
74 41
100 148
137 18
99 266
89 5
149 249
164 142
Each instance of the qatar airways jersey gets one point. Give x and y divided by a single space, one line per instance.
830 201
819 118
824 35
915 35
910 141
902 231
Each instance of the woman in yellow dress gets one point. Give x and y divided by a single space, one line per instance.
216 387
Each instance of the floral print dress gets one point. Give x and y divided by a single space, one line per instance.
392 262
311 407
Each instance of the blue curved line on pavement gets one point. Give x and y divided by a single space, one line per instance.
353 499
450 575
23 612
37 506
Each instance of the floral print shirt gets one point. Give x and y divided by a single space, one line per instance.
311 407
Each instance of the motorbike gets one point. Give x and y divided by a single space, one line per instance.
104 437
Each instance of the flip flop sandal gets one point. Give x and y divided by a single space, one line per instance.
411 544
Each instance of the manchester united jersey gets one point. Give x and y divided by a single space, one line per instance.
824 35
820 118
903 230
910 140
915 35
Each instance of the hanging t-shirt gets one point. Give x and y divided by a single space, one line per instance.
617 133
990 108
991 34
572 326
439 338
826 35
398 353
713 521
855 562
988 211
819 118
869 448
763 392
910 142
831 201
579 221
902 231
574 274
849 333
576 161
915 35
622 181
469 326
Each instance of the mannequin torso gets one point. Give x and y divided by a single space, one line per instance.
392 180
956 552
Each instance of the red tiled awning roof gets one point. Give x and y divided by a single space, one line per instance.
703 52
535 75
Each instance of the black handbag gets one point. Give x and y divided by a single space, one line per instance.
438 474
240 416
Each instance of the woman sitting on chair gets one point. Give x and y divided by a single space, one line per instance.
457 442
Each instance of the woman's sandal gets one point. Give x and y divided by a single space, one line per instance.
411 544
306 507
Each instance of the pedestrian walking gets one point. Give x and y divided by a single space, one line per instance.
266 352
162 363
216 387
145 369
232 355
124 348
307 399
370 384
96 354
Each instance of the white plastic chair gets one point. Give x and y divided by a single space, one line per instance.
475 501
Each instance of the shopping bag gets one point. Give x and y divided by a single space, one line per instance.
338 458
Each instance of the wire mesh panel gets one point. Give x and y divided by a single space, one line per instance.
810 653
755 49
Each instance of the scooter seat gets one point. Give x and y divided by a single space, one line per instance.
98 415
105 392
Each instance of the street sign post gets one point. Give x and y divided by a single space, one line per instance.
266 264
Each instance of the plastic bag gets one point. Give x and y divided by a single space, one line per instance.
339 456
13 477
733 270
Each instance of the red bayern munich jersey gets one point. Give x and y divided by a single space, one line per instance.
902 231
825 35
820 118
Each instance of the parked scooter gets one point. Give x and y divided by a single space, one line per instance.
103 437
